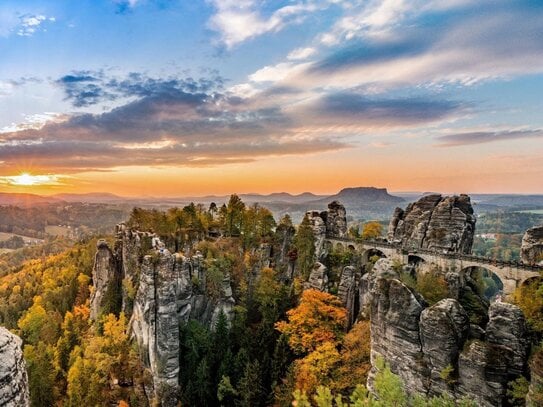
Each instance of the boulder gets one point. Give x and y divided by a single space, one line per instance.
13 377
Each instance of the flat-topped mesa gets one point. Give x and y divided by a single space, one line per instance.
434 222
13 377
531 250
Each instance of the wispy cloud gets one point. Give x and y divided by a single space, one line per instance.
470 138
239 20
32 23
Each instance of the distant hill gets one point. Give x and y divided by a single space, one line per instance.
93 197
24 199
281 197
511 200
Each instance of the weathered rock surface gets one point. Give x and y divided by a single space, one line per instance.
318 226
331 223
435 222
348 292
444 328
436 349
531 250
318 278
507 327
336 220
13 377
167 290
106 279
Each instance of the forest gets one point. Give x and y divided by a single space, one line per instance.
286 344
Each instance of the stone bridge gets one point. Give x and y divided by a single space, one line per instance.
511 274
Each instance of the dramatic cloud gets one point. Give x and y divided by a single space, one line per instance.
187 122
462 139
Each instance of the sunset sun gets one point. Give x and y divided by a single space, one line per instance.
26 179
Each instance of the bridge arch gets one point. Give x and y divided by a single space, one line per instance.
489 284
414 259
369 254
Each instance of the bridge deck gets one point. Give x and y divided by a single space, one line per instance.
448 255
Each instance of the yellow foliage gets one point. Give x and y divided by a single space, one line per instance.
372 230
316 368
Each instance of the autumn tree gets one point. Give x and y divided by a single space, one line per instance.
371 230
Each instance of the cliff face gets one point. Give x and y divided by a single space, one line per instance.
161 290
435 222
435 350
106 280
531 250
13 377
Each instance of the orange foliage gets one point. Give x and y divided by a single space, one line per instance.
319 318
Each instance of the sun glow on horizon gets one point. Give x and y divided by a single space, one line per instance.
26 179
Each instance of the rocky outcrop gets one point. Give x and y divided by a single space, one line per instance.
436 349
444 328
531 250
348 292
318 278
161 291
318 226
330 223
445 224
336 220
106 280
13 377
395 337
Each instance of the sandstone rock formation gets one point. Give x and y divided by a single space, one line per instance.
436 350
330 223
167 289
348 292
434 222
106 280
13 377
318 226
531 250
336 220
318 278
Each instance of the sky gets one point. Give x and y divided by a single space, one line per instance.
176 97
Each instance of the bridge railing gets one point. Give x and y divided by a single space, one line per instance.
450 255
